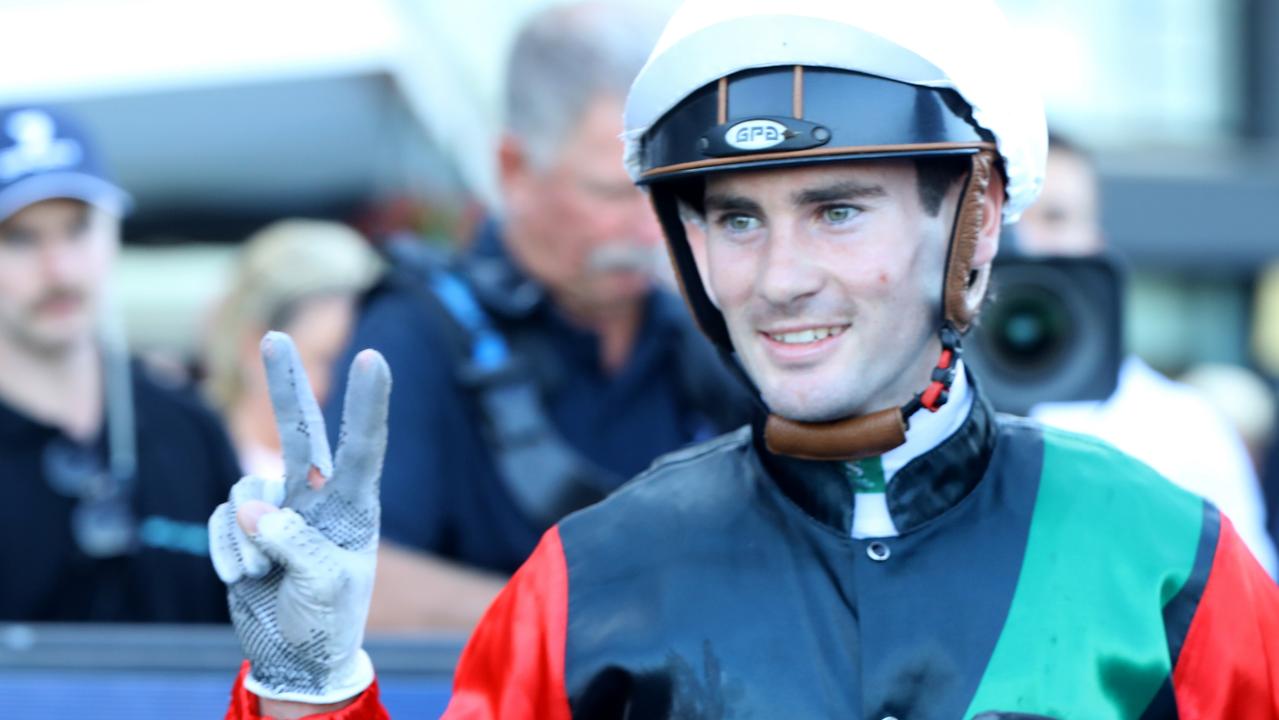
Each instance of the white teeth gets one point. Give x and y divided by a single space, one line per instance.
801 337
796 338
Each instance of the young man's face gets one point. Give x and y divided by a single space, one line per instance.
829 279
54 259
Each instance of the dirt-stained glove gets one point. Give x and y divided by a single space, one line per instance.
299 587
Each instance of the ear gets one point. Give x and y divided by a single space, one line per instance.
512 168
992 222
109 225
987 246
248 348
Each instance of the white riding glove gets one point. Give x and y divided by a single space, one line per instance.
299 587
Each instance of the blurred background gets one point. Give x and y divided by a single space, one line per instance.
221 117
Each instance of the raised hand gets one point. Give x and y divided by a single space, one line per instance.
298 554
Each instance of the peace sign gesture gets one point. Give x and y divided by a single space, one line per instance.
298 554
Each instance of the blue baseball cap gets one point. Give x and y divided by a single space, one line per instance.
45 156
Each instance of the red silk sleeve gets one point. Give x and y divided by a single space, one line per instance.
513 666
1229 664
244 704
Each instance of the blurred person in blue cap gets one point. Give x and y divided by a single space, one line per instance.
107 476
1170 426
542 367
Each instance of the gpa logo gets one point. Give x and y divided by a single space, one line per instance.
756 134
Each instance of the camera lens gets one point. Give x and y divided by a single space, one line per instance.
1050 333
1028 328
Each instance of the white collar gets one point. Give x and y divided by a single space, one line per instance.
930 429
871 516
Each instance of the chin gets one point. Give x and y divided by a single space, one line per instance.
53 341
620 294
627 286
51 346
810 406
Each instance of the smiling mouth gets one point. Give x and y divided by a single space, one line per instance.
805 336
58 307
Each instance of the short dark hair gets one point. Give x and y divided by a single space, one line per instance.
1058 142
936 175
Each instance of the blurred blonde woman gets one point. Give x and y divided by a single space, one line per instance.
303 277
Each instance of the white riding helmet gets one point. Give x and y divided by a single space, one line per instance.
964 45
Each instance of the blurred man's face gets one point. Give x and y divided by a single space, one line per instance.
1066 219
320 330
320 327
54 260
829 279
580 226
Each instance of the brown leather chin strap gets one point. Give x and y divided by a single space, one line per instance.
874 434
852 438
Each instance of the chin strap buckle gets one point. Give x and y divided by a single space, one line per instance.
938 391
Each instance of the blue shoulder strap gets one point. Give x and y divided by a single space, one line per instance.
544 476
489 350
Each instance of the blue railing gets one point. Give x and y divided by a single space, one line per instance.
172 672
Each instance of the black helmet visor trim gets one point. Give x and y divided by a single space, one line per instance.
810 157
752 119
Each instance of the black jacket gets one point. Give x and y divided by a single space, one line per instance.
1035 572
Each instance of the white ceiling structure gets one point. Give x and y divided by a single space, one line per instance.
209 108
270 102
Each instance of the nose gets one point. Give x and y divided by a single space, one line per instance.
62 261
788 275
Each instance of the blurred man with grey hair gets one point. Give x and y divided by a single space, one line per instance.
542 367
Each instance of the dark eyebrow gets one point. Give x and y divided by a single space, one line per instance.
15 233
836 192
716 202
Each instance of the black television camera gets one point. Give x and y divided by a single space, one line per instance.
1051 332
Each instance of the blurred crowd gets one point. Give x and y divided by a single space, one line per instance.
537 365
